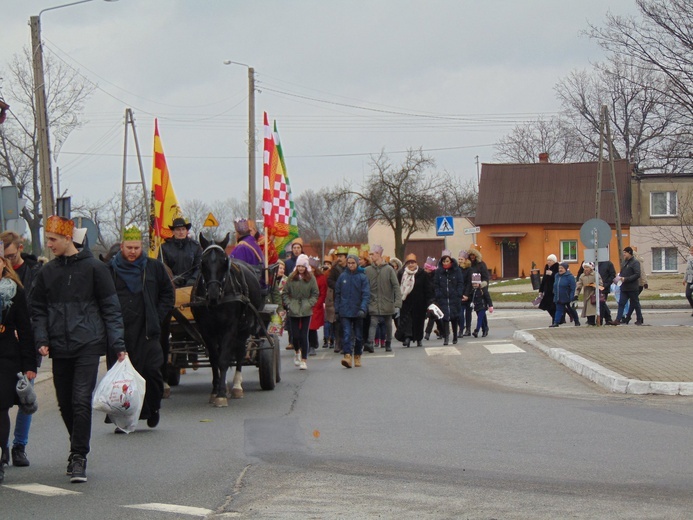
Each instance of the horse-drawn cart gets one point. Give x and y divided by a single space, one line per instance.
188 349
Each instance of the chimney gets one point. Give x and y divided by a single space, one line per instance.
544 157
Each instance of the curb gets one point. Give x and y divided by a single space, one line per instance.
604 377
644 304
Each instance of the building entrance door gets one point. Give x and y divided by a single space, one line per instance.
511 260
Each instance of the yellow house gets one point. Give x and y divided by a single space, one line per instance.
528 211
423 243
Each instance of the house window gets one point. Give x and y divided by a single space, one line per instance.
663 204
664 259
568 250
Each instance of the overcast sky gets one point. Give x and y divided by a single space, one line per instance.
344 80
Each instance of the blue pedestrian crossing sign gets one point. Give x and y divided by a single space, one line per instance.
445 226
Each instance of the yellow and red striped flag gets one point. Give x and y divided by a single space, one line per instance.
164 204
277 203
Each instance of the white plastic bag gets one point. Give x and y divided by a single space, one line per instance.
121 395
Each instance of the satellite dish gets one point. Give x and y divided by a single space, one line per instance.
603 233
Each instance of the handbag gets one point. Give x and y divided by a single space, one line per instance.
593 298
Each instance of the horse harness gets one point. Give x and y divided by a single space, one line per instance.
240 286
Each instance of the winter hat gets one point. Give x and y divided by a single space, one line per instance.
353 257
628 250
585 265
303 260
565 265
463 254
411 257
314 262
552 258
430 263
378 249
397 262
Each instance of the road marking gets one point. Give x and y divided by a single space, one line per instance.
507 348
442 351
172 508
40 489
484 341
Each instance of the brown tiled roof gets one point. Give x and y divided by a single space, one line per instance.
547 193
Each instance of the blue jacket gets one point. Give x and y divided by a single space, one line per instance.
563 287
352 293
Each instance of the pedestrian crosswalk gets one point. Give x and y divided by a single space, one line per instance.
42 490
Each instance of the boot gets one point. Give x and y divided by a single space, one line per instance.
5 457
446 339
346 361
407 342
368 347
19 457
357 361
311 351
427 336
467 332
454 337
485 333
388 348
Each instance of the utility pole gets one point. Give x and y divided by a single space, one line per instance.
45 174
251 143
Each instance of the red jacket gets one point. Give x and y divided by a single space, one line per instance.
318 318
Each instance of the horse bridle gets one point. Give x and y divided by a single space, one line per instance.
221 282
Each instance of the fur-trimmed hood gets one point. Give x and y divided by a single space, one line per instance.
475 252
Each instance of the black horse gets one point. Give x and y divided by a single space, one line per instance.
221 299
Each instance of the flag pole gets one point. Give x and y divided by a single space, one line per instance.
266 260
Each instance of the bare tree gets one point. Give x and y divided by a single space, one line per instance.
404 196
459 199
66 94
341 213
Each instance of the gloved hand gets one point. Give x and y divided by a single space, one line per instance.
645 286
361 314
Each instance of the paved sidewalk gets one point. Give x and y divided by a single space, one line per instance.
627 359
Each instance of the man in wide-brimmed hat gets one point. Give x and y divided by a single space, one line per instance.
182 254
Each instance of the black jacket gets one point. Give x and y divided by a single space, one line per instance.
183 258
630 272
75 308
607 273
159 296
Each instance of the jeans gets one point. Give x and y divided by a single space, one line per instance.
75 380
352 327
375 322
562 308
632 298
299 334
328 332
481 320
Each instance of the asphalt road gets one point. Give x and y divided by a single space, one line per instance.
481 430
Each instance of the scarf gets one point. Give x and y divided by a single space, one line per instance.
130 272
8 288
408 281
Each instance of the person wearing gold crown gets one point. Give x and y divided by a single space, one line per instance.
182 254
247 248
146 297
336 270
76 315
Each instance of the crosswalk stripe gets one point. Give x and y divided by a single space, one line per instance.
442 351
40 489
172 508
507 348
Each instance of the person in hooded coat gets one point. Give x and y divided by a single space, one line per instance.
449 289
546 288
417 295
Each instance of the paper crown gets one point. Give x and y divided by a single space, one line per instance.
353 251
342 250
365 247
313 261
132 233
377 249
241 226
60 225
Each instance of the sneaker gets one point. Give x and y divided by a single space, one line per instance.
153 419
297 359
302 365
19 457
68 471
639 322
368 348
311 352
79 469
476 333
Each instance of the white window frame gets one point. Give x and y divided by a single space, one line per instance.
563 259
671 204
661 252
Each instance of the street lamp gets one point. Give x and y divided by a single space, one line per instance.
251 136
45 174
